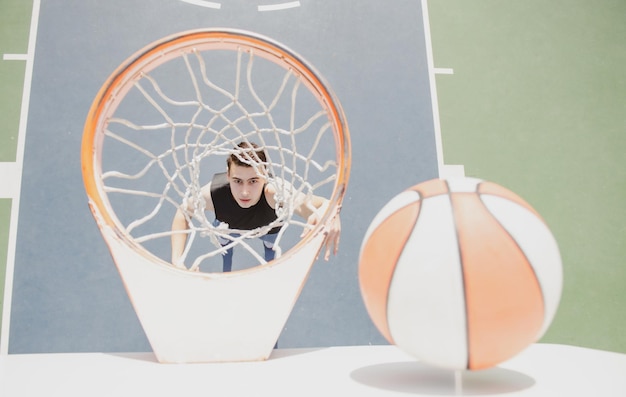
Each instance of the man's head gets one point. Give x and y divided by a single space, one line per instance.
245 174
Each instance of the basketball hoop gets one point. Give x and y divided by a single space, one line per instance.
164 120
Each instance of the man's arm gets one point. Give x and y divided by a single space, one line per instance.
312 208
180 225
179 237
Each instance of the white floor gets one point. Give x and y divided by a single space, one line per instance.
541 370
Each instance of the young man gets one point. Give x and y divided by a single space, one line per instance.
242 198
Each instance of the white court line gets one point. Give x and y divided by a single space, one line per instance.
443 71
17 175
15 57
276 7
448 170
444 170
202 3
10 180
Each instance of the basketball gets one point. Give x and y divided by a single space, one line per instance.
460 273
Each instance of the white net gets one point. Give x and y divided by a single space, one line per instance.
177 119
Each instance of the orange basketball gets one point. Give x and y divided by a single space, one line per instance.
460 273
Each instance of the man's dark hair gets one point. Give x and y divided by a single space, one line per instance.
248 154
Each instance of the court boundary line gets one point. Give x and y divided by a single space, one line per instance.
279 6
19 166
443 170
203 3
444 71
14 57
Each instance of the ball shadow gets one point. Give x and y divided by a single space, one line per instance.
419 378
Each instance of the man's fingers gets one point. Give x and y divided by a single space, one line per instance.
331 245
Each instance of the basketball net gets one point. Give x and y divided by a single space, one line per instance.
207 125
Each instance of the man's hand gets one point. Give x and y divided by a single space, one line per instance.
331 241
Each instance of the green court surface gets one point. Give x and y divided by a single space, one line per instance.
14 28
11 81
537 104
15 18
5 212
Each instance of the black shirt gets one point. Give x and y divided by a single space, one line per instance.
228 211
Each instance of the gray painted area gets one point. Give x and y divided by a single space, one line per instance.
68 296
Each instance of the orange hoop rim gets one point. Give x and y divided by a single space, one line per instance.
120 81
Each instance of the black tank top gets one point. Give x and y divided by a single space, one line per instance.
227 210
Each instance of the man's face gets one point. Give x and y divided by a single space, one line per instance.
245 184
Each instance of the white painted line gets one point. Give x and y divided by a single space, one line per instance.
433 87
19 161
277 7
433 92
9 180
452 171
444 71
202 3
14 57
